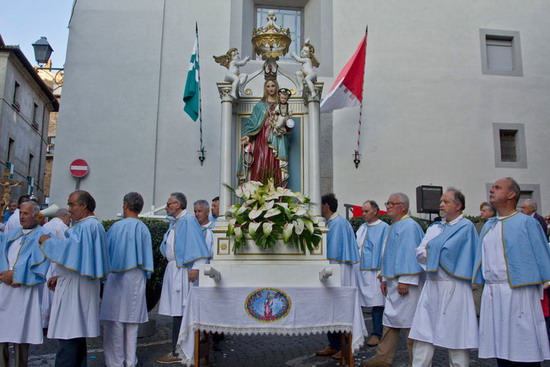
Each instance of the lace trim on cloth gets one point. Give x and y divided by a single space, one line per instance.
290 331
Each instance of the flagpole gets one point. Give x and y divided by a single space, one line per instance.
356 154
201 151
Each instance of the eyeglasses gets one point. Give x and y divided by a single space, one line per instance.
389 204
168 204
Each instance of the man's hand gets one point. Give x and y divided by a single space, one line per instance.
43 238
402 289
52 283
6 277
193 275
384 288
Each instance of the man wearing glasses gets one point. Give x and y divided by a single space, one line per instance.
401 279
185 249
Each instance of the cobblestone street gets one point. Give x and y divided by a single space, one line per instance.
242 351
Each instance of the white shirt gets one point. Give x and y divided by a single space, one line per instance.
13 222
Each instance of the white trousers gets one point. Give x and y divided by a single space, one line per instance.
423 354
120 343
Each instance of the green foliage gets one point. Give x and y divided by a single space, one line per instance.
268 213
475 219
157 228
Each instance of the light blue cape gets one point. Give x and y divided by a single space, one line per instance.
454 249
371 253
31 266
212 220
129 245
189 241
84 250
341 244
399 256
526 251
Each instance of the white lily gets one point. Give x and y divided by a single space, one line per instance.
267 227
238 233
287 231
242 209
298 226
255 213
253 227
300 211
309 225
272 213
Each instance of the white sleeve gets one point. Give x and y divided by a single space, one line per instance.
197 264
408 279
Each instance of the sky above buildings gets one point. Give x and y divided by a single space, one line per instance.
23 22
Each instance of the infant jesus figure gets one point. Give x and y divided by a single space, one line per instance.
283 113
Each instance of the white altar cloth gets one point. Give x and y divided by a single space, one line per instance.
312 311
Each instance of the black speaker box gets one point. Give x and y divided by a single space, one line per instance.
427 198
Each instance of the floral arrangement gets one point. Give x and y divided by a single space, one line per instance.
268 213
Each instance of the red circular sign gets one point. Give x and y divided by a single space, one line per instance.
79 168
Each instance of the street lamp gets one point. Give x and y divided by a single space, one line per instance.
42 53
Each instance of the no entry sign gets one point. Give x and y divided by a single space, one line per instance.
79 168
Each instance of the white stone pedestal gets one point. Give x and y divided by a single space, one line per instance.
282 265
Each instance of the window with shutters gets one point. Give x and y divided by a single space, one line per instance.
500 53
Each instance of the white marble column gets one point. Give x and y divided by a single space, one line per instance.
314 121
226 169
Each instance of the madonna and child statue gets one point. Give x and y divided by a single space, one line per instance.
270 131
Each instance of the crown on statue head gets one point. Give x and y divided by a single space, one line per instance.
270 71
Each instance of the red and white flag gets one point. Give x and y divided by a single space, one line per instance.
347 90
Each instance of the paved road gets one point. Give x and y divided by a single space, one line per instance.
242 351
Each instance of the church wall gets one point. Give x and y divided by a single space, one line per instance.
429 111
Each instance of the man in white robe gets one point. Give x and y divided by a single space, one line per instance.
341 249
124 306
185 249
81 262
445 315
371 236
402 279
57 227
13 221
513 260
202 213
215 211
20 287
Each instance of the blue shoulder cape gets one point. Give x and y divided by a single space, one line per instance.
399 256
189 241
31 266
454 250
129 245
341 244
371 254
212 220
526 251
84 250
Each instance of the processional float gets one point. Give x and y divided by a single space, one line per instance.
255 282
283 264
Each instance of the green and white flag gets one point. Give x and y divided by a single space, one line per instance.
192 92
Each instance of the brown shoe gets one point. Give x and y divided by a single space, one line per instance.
328 351
337 355
373 341
169 358
374 362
